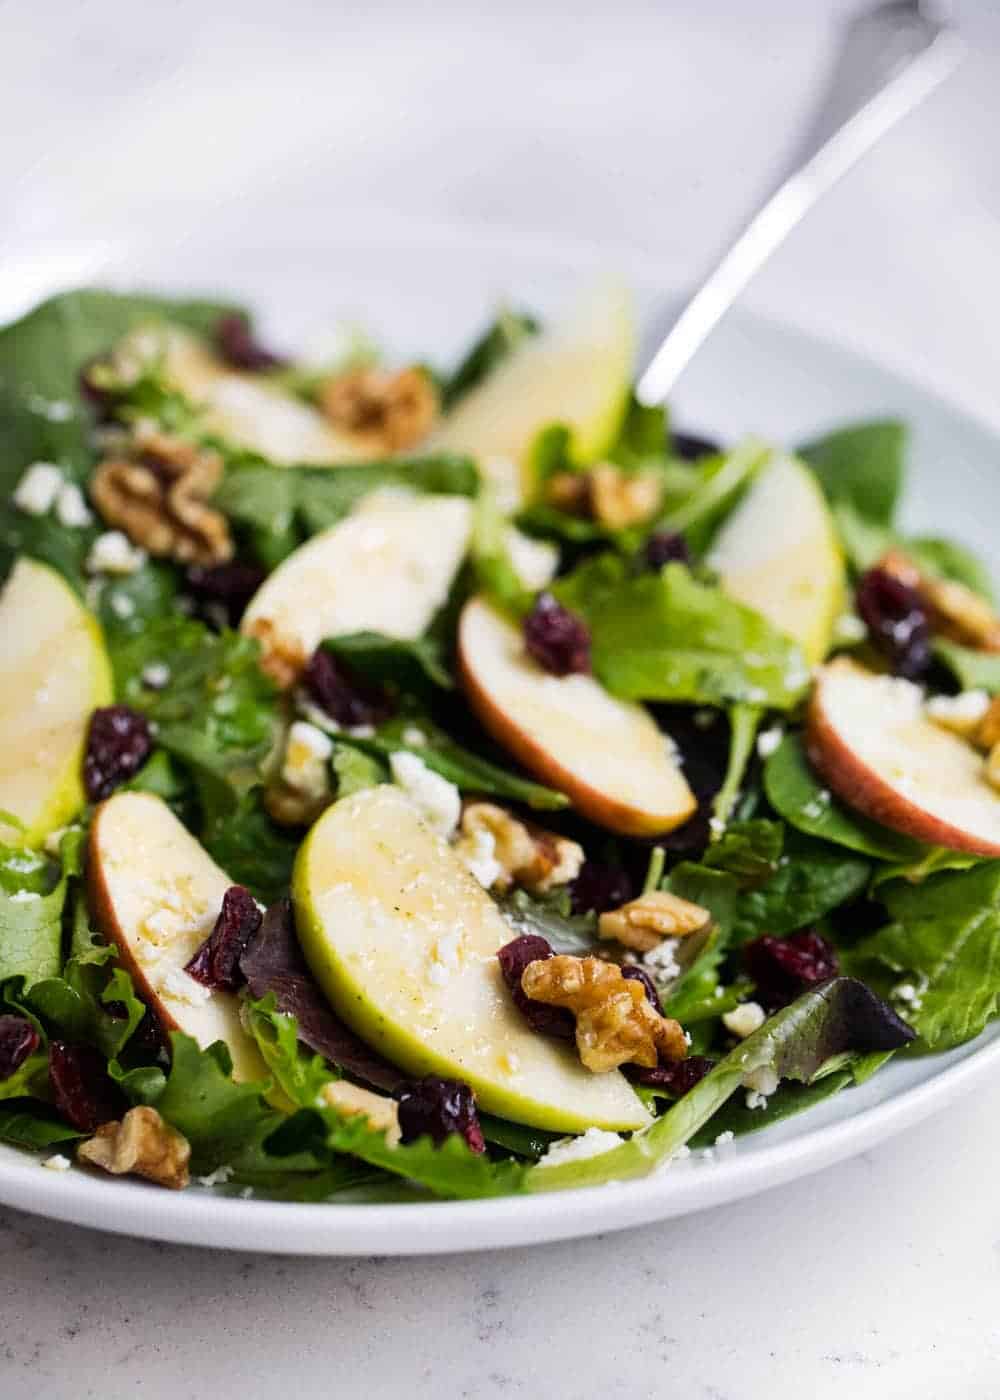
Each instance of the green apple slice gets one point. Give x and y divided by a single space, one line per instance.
779 553
54 672
156 893
244 409
606 754
386 568
403 941
577 374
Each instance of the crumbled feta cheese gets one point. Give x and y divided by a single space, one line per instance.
576 1149
54 410
217 1178
478 851
768 740
156 675
57 1163
438 800
38 488
744 1020
114 553
909 995
763 1081
534 561
71 508
24 864
176 985
307 755
416 738
961 714
716 826
724 1138
362 731
755 1099
122 605
663 959
23 896
849 629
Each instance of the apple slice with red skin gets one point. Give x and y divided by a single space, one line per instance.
156 893
606 754
870 740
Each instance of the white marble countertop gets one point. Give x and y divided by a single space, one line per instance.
647 123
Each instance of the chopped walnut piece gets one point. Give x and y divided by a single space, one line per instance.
608 494
616 1023
389 412
620 498
142 1144
281 658
351 1100
988 729
645 922
157 491
956 610
528 855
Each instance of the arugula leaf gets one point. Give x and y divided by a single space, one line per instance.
410 667
668 637
490 350
25 1124
550 916
797 794
861 465
276 508
32 896
838 1016
451 1170
812 879
944 940
201 1100
300 1077
974 670
460 766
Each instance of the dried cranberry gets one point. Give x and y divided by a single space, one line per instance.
639 974
666 547
118 743
235 342
689 446
222 591
344 697
18 1039
514 957
84 1092
896 620
677 1077
599 887
782 968
217 962
437 1108
557 638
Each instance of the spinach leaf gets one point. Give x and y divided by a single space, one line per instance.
718 892
668 637
974 670
717 485
413 667
944 941
947 559
252 849
26 1124
491 348
863 466
750 850
787 1100
551 917
460 766
276 508
812 879
797 794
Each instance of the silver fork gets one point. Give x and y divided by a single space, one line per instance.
890 59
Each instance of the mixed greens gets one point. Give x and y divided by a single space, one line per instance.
419 780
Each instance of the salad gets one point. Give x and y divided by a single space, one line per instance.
454 780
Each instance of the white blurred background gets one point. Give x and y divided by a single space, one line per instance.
646 124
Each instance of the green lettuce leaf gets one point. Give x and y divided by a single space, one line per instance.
26 1124
201 1100
717 485
252 849
861 465
487 352
32 897
668 637
744 721
798 795
812 879
410 667
750 850
944 943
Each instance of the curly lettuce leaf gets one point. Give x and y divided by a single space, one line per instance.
200 1099
667 636
32 897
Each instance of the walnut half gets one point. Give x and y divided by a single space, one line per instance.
956 610
615 498
388 412
527 855
142 1144
616 1023
157 491
645 922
